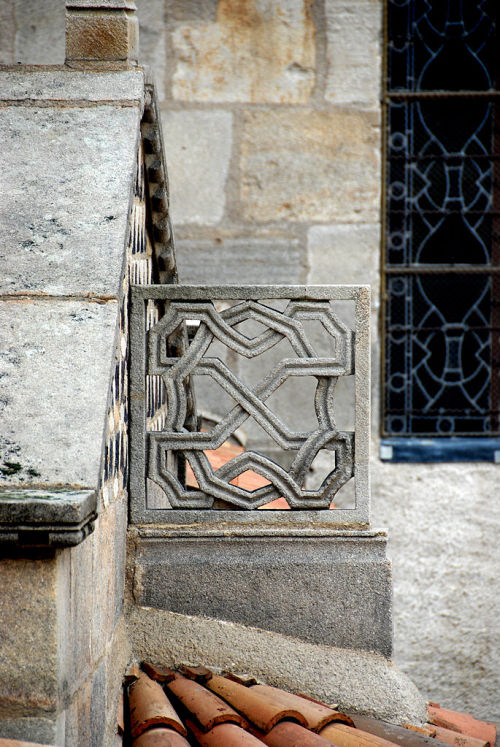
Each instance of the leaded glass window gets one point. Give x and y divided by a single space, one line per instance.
442 219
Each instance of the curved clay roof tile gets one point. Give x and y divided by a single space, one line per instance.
207 709
261 711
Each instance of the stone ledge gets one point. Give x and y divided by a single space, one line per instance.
39 518
63 85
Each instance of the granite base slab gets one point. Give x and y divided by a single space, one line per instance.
332 588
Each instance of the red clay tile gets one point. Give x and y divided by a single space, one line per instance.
458 740
288 734
158 672
428 730
243 679
317 716
131 674
333 706
224 735
463 723
199 674
395 734
259 709
149 706
277 504
348 736
208 710
160 737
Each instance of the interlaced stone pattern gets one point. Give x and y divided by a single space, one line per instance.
170 357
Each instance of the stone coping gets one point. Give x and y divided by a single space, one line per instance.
46 518
62 84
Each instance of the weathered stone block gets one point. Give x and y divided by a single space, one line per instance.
353 52
198 149
310 166
252 52
56 361
66 198
28 635
102 36
233 259
333 590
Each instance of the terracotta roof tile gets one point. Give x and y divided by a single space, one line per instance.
149 706
316 715
288 734
160 737
200 674
458 739
242 679
395 734
157 672
207 709
261 711
348 736
463 723
224 735
216 707
132 674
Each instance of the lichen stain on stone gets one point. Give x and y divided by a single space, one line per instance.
254 52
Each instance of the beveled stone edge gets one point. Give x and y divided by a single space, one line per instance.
46 518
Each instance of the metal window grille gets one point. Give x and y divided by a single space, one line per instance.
441 266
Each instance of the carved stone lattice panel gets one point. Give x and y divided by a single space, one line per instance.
249 343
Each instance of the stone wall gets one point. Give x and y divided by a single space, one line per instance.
69 171
272 130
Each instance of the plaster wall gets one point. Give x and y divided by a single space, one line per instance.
287 190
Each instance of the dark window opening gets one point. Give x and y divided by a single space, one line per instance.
441 268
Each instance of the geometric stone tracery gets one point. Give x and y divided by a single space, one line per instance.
180 437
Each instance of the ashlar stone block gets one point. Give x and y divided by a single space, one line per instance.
310 166
353 52
198 149
252 52
101 35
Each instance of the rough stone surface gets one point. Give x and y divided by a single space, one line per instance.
28 638
59 85
101 35
269 259
37 730
367 683
442 530
335 591
253 52
39 36
310 166
56 361
198 149
354 30
66 180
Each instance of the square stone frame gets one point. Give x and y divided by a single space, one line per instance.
348 518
